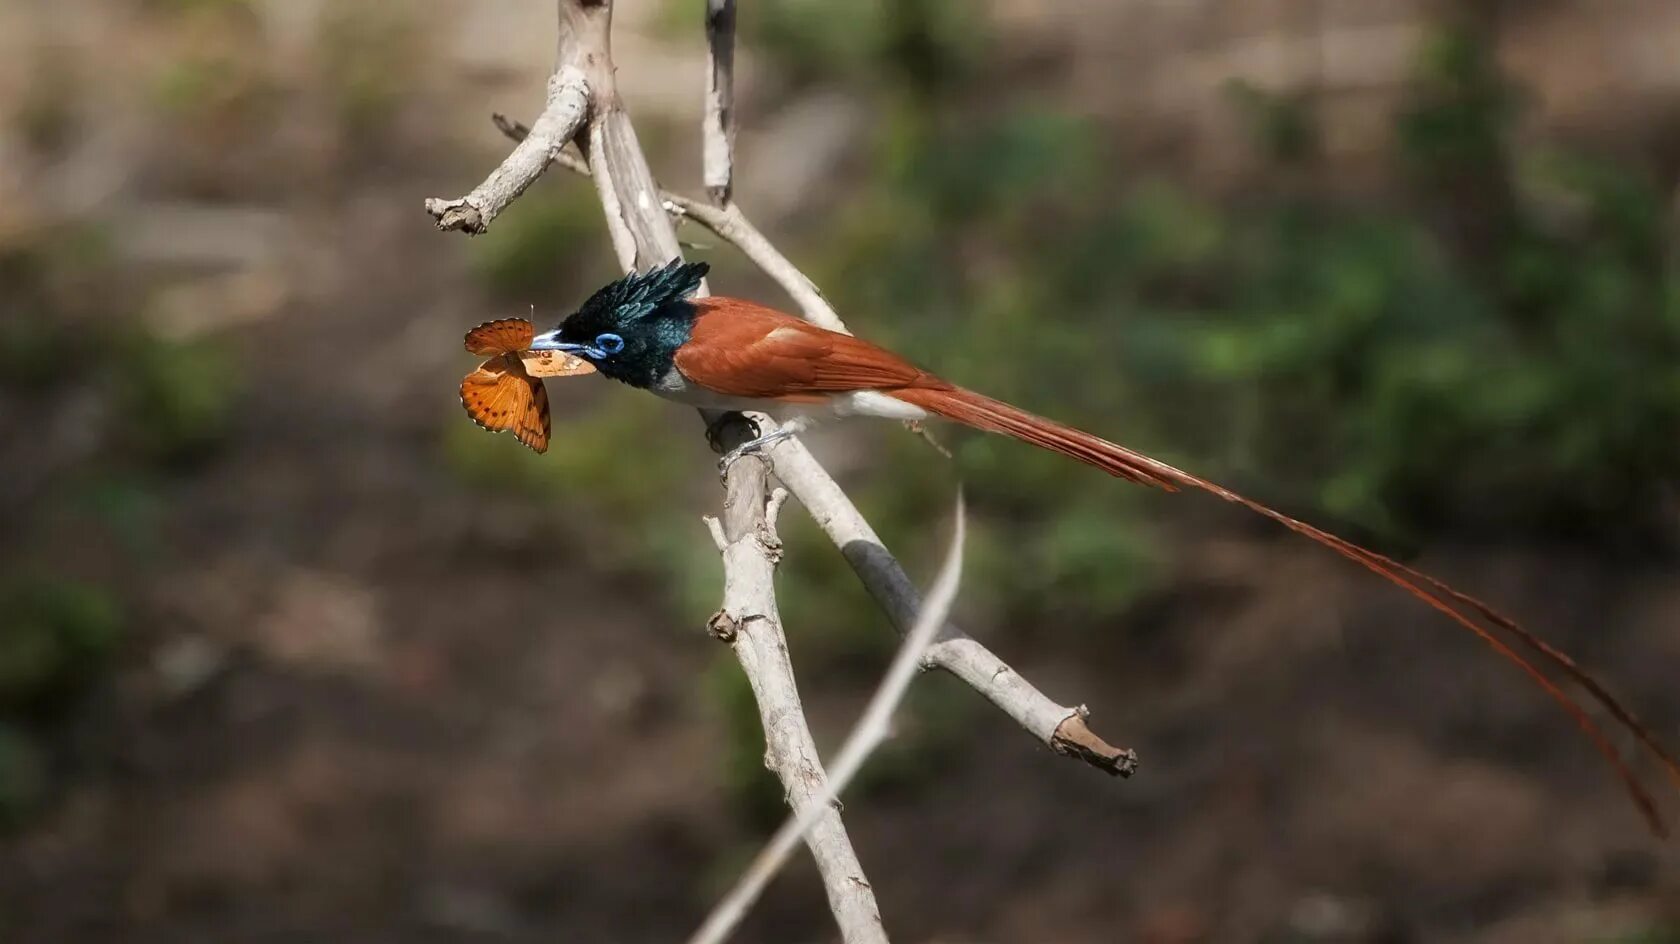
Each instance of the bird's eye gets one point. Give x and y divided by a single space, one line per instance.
609 343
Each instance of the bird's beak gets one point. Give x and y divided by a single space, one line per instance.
550 341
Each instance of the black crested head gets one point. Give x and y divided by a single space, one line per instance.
640 293
649 311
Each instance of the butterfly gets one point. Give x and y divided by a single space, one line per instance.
506 391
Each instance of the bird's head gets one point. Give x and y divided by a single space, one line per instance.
632 328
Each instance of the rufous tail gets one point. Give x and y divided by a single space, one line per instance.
984 413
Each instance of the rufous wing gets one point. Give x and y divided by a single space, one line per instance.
741 349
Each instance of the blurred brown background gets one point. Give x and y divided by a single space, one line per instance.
289 650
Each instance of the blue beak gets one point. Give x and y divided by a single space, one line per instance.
550 341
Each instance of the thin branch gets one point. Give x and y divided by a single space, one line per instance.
773 510
750 622
568 104
1061 728
643 235
718 127
714 527
749 566
729 224
871 730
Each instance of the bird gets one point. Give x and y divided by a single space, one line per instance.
647 330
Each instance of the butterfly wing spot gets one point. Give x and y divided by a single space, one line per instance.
533 428
499 395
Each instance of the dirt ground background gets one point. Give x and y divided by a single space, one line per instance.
292 652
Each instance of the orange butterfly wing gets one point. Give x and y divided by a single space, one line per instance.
501 395
514 336
506 336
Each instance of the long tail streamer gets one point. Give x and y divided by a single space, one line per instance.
984 413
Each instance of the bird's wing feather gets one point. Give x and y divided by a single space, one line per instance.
740 349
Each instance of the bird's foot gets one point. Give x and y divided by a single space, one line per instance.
754 447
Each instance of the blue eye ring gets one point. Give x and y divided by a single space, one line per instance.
609 343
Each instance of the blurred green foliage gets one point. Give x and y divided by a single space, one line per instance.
543 244
119 407
752 793
23 776
177 397
45 119
1462 109
585 471
596 476
213 81
213 88
369 56
27 346
46 277
1363 361
1284 126
56 640
170 400
53 635
196 84
927 732
914 44
173 400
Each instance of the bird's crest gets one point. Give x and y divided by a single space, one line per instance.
641 293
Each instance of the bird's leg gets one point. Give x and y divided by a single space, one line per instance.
788 430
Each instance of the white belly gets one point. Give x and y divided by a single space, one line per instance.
875 403
673 386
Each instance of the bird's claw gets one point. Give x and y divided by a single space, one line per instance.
728 459
753 447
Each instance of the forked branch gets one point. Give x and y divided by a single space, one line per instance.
584 110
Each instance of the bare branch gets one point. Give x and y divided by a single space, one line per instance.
639 219
751 623
568 103
773 511
1059 727
643 235
870 732
714 527
731 225
718 127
